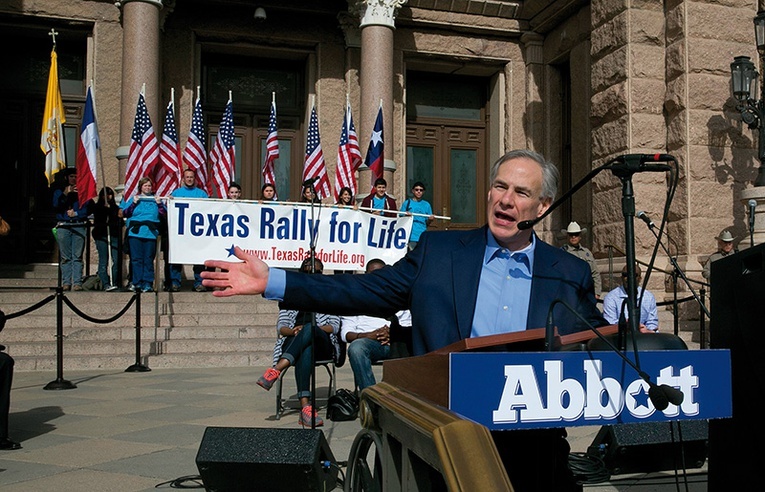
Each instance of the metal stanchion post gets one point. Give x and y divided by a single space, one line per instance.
59 383
137 367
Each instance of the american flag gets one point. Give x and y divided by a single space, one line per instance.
348 156
376 152
167 175
314 158
223 156
144 150
195 152
272 150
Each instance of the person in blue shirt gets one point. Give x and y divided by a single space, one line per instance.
144 211
188 190
614 300
416 205
71 228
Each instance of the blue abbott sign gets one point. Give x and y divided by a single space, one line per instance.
516 390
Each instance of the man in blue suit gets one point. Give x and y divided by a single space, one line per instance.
460 284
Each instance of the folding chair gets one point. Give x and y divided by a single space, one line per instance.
281 403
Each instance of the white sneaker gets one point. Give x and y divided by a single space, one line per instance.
112 288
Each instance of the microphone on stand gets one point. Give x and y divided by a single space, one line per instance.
310 181
637 163
644 217
660 395
643 158
752 206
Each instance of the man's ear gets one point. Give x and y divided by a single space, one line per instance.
543 206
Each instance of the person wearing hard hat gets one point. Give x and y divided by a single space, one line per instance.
574 234
724 248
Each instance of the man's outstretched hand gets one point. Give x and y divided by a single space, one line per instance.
249 277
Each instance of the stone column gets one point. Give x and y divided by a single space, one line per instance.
534 118
140 65
376 75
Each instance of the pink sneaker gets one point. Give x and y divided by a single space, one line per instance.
268 378
305 417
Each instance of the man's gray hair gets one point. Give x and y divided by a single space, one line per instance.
550 174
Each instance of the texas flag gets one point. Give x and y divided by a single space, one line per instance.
86 153
376 152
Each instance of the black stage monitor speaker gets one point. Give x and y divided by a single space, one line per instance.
648 447
250 459
737 308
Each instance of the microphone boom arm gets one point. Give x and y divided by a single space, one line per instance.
680 272
527 224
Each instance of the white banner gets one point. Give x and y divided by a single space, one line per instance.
280 233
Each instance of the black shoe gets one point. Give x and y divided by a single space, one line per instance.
8 445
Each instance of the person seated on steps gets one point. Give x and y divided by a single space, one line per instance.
293 349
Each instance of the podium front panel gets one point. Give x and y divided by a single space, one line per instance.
520 390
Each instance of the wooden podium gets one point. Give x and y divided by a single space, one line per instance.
420 444
428 375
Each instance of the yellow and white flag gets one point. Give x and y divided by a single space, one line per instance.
51 141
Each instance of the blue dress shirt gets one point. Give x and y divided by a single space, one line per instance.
504 290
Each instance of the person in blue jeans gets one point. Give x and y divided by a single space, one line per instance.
71 229
107 227
188 190
293 348
417 205
368 340
144 211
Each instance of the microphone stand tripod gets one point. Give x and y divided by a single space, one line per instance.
679 272
624 172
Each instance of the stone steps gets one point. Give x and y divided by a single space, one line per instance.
121 362
178 329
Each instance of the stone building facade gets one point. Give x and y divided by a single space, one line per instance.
460 82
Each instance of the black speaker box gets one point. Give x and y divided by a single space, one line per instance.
737 308
251 459
648 447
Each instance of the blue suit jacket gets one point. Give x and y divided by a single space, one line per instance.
438 282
